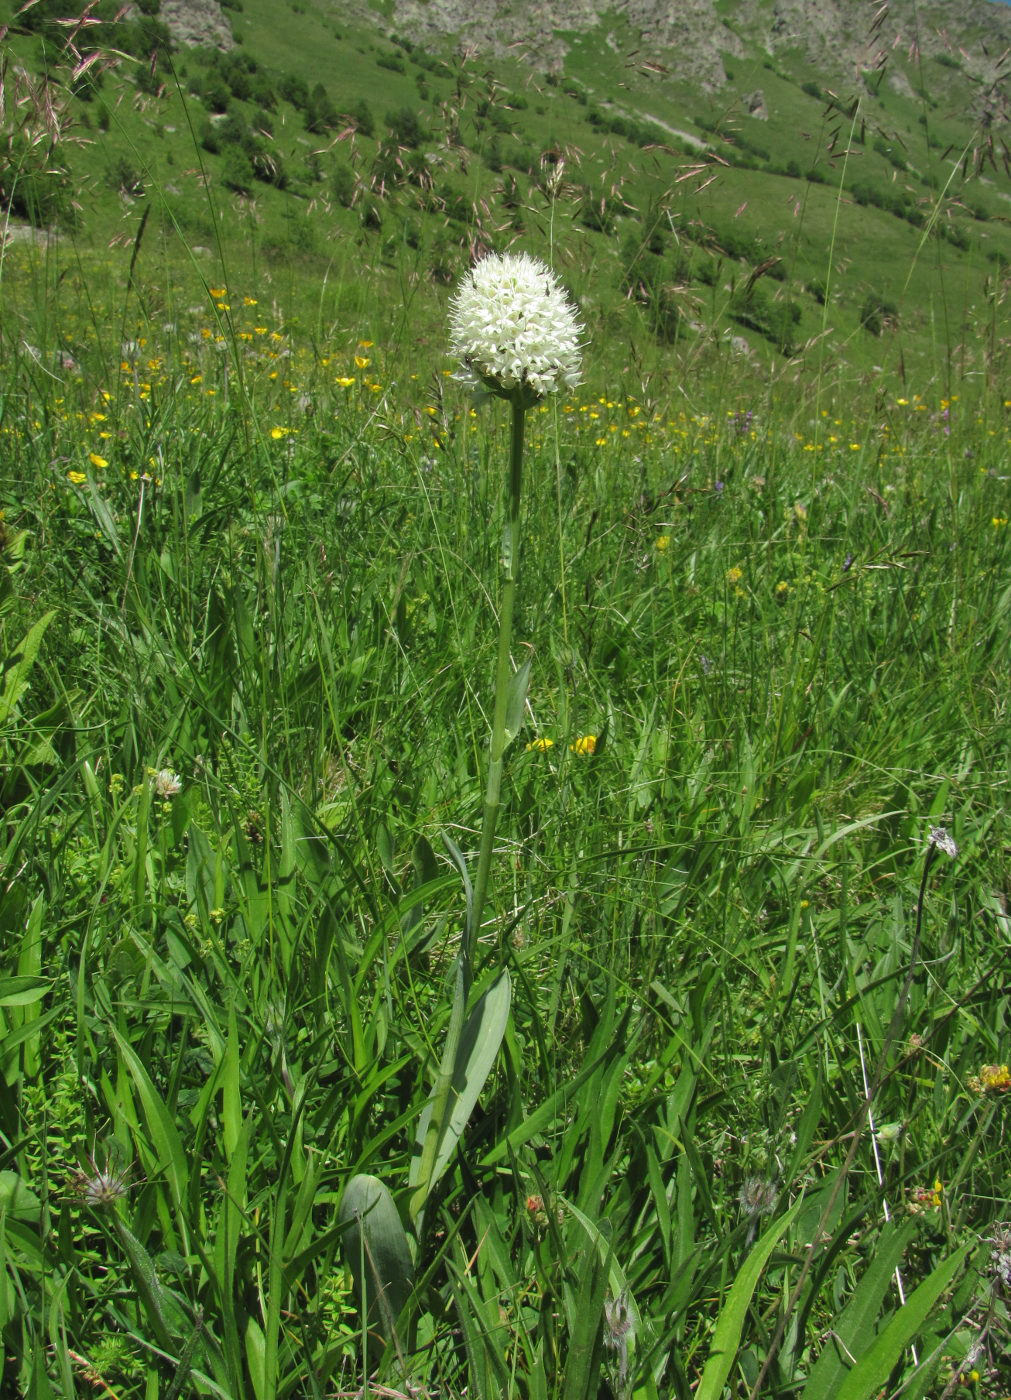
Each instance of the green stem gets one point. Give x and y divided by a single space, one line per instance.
503 675
465 961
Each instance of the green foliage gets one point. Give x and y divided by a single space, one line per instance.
392 62
342 185
320 113
379 1257
876 313
405 127
237 173
362 116
772 316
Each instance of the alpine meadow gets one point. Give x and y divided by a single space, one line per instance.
505 655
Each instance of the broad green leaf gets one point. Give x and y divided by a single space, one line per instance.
231 1101
149 1289
479 1045
873 1368
616 1277
17 1199
730 1327
104 517
22 991
377 1251
18 666
256 1356
582 1360
483 1336
516 698
855 1328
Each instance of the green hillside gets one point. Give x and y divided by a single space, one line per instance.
863 228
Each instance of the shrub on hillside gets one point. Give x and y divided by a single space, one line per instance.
320 113
38 196
884 148
261 93
342 185
651 281
237 172
405 127
736 242
775 319
294 90
124 178
213 92
361 115
877 313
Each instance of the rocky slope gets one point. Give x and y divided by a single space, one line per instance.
197 22
835 36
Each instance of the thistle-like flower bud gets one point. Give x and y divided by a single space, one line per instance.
514 329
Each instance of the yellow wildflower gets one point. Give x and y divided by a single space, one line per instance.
96 461
76 478
662 542
992 1079
586 744
925 1197
540 745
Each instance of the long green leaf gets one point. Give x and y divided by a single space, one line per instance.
582 1361
479 1045
854 1330
484 1337
516 698
872 1370
18 667
164 1135
378 1253
727 1337
23 991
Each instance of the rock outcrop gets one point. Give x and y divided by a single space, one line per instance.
839 37
197 22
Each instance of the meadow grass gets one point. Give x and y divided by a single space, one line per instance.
745 1134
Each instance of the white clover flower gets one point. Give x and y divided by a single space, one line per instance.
167 783
513 328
